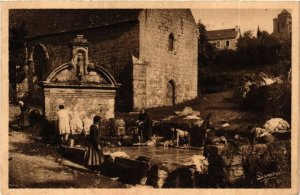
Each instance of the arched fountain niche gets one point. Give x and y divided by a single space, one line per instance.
83 88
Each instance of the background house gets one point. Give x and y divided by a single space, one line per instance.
152 53
224 38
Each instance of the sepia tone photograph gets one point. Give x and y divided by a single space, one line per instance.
149 98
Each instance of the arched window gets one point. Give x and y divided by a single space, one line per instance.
171 93
171 42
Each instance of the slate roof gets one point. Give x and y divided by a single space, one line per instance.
41 22
222 34
284 11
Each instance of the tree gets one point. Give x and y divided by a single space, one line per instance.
202 34
245 41
246 49
286 44
258 34
260 50
206 51
17 52
269 47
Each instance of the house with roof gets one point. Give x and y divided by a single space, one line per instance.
224 38
152 53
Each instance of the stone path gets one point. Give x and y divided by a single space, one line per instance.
35 164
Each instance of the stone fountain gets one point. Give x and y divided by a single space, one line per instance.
83 88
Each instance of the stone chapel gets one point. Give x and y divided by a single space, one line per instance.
151 53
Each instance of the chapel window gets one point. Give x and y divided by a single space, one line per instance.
171 42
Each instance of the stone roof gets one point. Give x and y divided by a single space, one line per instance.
40 22
284 13
222 34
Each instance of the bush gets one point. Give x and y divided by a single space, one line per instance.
278 70
279 101
268 100
273 163
210 81
271 100
226 58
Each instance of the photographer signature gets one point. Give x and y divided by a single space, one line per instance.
267 176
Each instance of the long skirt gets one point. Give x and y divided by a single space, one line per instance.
24 119
93 157
146 132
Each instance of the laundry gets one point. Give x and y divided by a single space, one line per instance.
87 122
225 125
187 111
116 154
192 117
199 161
76 124
151 143
276 124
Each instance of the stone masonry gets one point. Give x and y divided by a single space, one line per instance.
224 169
163 65
101 102
133 45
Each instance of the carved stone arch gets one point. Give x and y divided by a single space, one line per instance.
101 71
40 59
106 75
57 70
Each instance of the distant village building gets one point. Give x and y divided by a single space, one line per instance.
283 23
152 53
225 38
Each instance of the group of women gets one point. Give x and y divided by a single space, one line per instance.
94 154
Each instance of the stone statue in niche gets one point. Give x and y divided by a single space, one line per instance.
80 66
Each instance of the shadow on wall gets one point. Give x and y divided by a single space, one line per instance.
124 97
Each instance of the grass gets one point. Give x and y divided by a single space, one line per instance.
221 105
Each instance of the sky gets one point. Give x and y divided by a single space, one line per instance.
246 19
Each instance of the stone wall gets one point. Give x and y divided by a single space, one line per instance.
232 43
163 65
100 102
258 165
139 85
224 169
111 47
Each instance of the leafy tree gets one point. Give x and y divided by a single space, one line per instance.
246 48
268 46
258 34
245 41
17 52
260 50
286 45
206 51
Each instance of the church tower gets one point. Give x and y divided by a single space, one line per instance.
283 23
